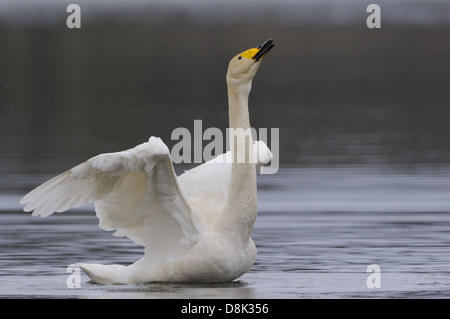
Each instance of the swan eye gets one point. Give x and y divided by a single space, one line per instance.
240 58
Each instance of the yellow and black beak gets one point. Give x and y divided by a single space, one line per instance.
263 49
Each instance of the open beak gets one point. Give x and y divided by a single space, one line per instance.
263 49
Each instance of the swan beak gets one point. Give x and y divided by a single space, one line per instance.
263 49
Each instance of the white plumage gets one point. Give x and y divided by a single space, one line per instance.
193 226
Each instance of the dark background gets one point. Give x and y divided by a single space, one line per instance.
339 92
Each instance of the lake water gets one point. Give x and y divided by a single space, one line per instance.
364 142
316 233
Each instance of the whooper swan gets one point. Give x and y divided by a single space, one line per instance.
194 227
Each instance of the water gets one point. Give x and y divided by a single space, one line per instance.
362 115
316 233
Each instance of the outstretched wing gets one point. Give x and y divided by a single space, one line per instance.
135 192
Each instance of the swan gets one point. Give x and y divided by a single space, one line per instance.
194 227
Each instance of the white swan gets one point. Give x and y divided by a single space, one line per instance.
195 227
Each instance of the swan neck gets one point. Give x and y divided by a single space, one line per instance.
238 106
241 207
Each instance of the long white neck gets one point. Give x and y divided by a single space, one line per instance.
241 208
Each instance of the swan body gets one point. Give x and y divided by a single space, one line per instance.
194 227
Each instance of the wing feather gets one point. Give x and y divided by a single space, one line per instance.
135 192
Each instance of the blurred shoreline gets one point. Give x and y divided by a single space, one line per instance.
231 12
338 94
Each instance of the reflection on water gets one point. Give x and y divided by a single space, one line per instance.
317 254
361 188
338 95
316 233
364 149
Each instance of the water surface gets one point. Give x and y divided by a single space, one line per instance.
316 233
362 115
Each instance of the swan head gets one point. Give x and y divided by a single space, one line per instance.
243 66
